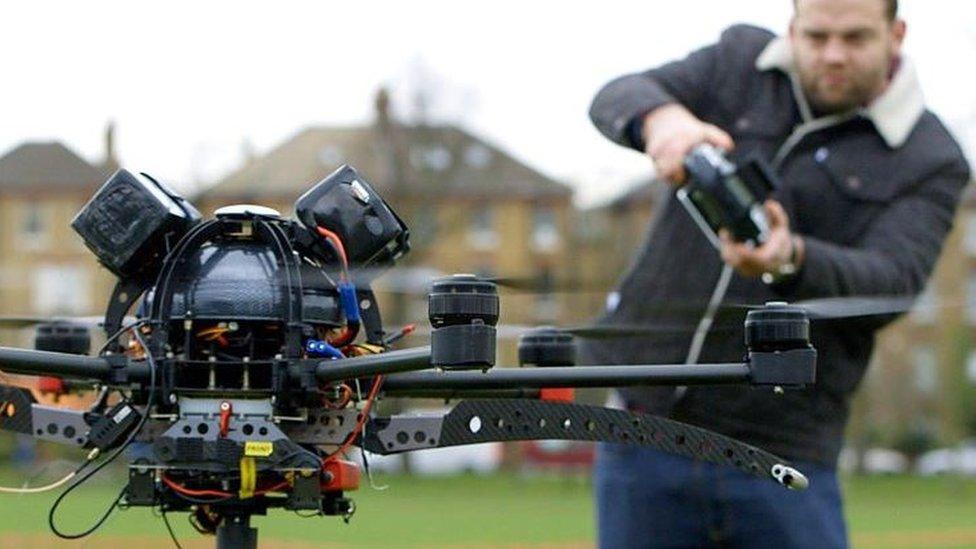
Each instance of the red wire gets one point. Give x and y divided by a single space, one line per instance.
363 416
190 492
337 242
218 493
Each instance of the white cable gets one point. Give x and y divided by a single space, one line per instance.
705 324
40 489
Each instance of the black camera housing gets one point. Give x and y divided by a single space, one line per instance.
346 204
131 222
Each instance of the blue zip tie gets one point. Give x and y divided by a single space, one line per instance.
349 301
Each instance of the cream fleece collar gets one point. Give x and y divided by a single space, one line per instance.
894 114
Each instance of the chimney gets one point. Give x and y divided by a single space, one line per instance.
110 163
247 151
382 104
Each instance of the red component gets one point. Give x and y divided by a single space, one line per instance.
344 476
51 385
562 394
566 455
226 409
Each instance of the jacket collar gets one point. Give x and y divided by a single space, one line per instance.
894 113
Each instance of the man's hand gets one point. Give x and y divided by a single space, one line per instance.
670 132
781 253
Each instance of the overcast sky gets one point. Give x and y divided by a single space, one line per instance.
188 82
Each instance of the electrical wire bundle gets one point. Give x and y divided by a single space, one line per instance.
104 463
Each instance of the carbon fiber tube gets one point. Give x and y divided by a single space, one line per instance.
405 360
449 394
575 376
45 363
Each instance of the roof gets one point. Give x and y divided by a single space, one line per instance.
430 160
641 192
45 166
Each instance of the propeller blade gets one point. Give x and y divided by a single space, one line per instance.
609 331
857 306
841 307
15 322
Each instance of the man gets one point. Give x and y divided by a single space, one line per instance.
870 185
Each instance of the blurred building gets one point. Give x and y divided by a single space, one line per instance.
470 206
45 267
921 387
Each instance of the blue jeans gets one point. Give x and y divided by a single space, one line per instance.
647 498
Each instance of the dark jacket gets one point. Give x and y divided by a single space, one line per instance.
873 194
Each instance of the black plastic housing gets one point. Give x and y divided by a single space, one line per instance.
108 430
777 327
344 203
130 221
546 347
729 196
463 311
63 337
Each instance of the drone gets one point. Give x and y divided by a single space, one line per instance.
246 353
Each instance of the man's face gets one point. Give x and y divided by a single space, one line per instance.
843 51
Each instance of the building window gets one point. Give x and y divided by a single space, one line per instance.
61 289
926 369
481 231
971 299
330 156
477 156
34 227
546 305
545 233
969 238
924 309
971 367
436 158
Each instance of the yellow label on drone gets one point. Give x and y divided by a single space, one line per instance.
255 448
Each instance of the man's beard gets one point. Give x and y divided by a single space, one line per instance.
862 88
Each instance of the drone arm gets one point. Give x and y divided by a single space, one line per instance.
371 365
479 421
112 370
457 394
44 363
574 376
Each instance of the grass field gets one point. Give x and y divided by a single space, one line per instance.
482 512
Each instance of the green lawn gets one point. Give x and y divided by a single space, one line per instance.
486 512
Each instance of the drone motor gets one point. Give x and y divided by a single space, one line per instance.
463 312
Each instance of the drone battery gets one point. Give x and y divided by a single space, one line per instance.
344 203
131 221
107 430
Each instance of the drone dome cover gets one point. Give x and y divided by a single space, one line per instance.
241 280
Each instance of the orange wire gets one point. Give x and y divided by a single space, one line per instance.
343 400
363 415
337 242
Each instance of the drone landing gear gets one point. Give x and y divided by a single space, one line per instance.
235 532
